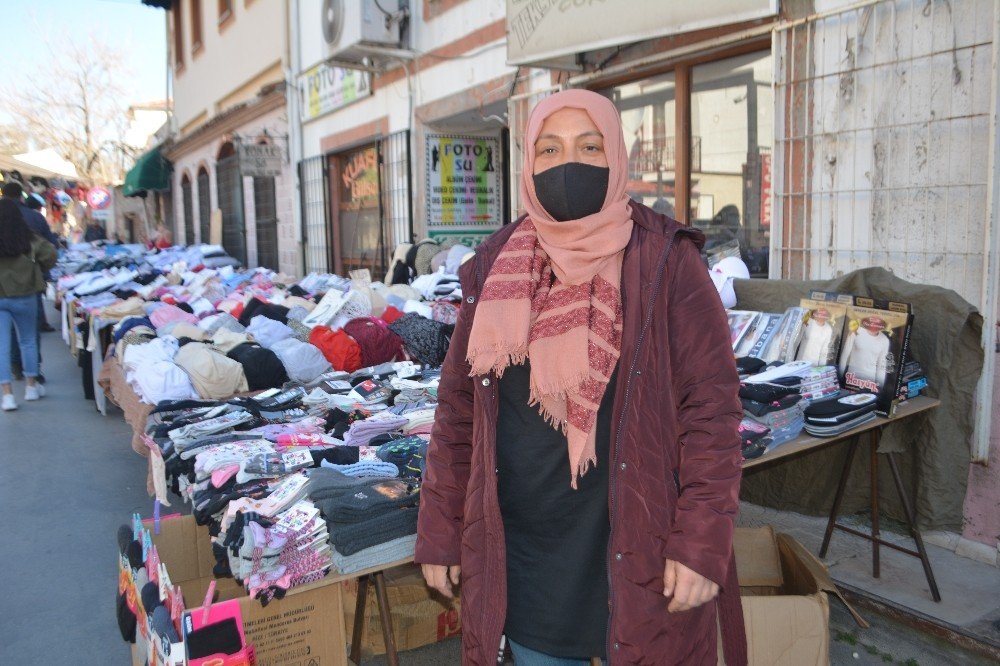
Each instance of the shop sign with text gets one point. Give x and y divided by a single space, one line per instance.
463 181
323 89
261 160
540 30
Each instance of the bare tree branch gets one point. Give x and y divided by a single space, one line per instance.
78 107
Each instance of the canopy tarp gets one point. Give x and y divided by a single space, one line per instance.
151 173
934 450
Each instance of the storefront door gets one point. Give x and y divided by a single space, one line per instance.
188 206
204 206
266 217
229 184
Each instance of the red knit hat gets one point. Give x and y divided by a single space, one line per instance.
338 347
391 314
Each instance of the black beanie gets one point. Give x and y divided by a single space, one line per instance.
261 366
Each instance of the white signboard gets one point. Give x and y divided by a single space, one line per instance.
261 160
323 89
539 30
463 182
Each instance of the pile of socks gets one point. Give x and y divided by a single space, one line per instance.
371 521
772 406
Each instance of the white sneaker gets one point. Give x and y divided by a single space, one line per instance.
34 392
8 404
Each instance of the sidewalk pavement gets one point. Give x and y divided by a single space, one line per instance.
69 478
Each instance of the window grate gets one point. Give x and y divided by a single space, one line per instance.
882 135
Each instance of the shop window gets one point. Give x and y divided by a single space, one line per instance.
723 184
732 111
359 236
648 111
371 207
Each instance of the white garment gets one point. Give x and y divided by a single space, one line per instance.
816 340
154 351
864 355
268 332
302 361
161 380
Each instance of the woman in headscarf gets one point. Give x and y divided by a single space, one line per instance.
583 474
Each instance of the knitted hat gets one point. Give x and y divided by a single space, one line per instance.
339 348
263 369
425 340
391 314
426 250
378 344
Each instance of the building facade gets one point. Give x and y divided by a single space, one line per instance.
409 139
229 139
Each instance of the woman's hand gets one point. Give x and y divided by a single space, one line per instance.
688 588
442 578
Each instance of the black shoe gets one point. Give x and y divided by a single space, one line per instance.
47 328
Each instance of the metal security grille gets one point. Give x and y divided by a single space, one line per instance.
315 214
229 184
396 188
265 213
204 206
882 137
188 205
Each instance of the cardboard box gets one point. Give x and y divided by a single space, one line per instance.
306 628
784 590
418 618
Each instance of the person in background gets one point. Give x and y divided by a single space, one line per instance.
161 239
583 474
24 257
37 203
34 219
14 191
94 232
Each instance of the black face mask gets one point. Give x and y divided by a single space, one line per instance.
572 190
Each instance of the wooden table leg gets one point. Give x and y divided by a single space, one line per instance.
912 522
386 617
873 443
838 498
359 619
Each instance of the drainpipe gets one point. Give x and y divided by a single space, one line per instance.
293 65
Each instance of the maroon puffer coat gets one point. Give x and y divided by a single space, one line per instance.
675 461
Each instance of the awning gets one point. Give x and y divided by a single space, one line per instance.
162 4
151 173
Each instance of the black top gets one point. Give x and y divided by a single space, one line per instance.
557 537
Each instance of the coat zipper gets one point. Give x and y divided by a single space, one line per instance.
618 432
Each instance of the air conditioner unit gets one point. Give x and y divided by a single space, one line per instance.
355 30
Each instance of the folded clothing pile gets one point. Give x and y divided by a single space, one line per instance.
367 518
819 383
775 407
